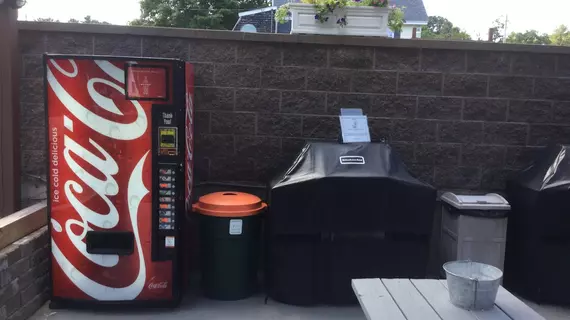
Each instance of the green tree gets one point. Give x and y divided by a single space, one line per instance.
441 28
498 30
88 20
46 20
561 36
396 19
197 14
528 37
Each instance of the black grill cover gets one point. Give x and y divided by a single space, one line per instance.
335 187
538 236
345 211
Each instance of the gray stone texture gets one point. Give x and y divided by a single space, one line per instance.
428 84
552 89
334 80
380 129
281 125
389 106
32 42
465 85
258 100
530 111
443 60
475 155
428 153
214 99
303 102
214 144
241 76
485 109
374 82
439 108
460 132
211 51
488 62
336 101
533 64
304 55
454 177
563 67
165 48
403 59
321 127
289 78
510 87
505 133
69 43
352 58
414 130
24 278
32 66
520 157
233 122
259 54
118 45
203 74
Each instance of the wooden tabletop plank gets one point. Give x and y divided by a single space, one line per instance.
436 295
411 302
492 314
375 300
514 307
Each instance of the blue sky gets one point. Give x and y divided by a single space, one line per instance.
475 16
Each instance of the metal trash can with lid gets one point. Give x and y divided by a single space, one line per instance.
474 227
230 226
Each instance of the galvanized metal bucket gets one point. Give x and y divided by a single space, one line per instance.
472 285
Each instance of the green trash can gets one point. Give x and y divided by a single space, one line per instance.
230 227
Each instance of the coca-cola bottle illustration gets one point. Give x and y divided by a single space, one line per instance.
120 148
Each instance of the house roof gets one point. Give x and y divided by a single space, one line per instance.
415 12
256 11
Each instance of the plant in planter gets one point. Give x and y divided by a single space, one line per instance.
356 17
396 20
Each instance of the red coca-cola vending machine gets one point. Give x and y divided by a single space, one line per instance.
120 177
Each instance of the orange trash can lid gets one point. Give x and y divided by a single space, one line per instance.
229 204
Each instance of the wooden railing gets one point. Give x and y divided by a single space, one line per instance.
20 224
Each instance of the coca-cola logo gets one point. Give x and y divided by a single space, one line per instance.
99 179
152 285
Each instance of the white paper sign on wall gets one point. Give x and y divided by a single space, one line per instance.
354 129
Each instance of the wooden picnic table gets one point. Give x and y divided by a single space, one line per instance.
411 299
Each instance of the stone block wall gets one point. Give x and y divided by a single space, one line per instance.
462 114
24 278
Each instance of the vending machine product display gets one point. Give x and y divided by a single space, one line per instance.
120 151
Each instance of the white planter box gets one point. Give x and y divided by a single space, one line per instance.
361 21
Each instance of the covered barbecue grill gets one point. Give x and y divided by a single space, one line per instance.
344 211
537 259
